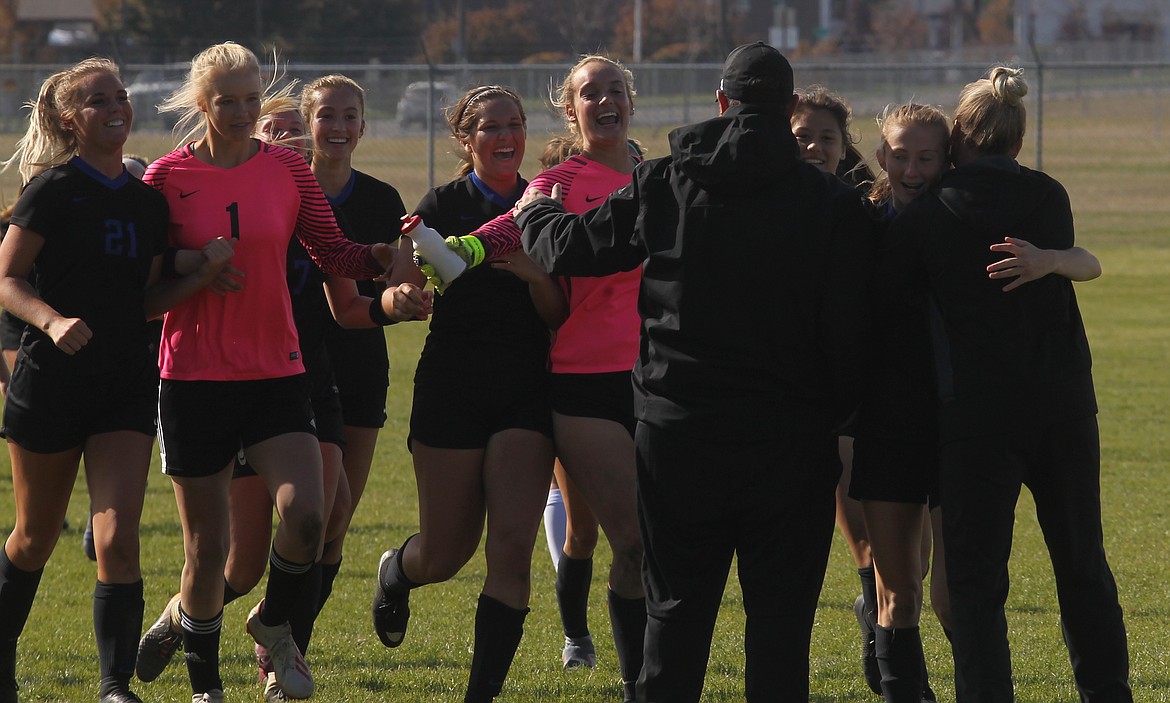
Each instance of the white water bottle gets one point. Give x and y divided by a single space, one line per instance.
432 248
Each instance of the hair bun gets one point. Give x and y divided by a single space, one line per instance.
1008 84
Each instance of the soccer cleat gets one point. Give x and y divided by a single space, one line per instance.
288 666
579 653
120 697
159 644
869 665
213 696
273 693
263 661
391 610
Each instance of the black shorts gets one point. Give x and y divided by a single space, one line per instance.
894 471
326 421
364 407
447 416
203 424
608 396
51 412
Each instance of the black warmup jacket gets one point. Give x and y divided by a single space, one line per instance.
754 273
1005 362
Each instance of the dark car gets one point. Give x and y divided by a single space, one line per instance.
412 106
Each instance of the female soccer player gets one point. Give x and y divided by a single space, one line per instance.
481 443
242 357
894 454
84 384
333 107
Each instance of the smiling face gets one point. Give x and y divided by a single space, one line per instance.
913 157
286 129
496 142
103 115
232 104
820 138
337 123
601 105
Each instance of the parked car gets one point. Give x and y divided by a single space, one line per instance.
412 106
150 88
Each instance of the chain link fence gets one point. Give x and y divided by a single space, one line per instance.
409 147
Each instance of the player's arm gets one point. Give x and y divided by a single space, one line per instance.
597 243
398 303
1025 262
165 292
546 293
18 251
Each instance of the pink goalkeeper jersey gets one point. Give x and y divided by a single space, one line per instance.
247 335
601 332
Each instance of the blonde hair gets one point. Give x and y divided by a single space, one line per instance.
465 114
563 97
991 116
311 93
196 87
47 143
908 115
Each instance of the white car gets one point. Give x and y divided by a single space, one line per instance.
412 106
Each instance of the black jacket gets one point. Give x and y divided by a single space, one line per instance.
753 283
1005 361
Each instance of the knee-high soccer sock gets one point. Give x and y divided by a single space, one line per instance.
328 576
627 616
555 525
869 593
18 589
899 656
117 623
395 579
573 579
285 581
498 629
201 646
304 611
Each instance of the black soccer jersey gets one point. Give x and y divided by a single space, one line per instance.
369 211
100 238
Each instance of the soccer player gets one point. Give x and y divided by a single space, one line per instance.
84 384
481 443
241 356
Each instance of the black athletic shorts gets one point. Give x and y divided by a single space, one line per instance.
203 424
326 420
894 471
51 412
365 407
609 396
447 416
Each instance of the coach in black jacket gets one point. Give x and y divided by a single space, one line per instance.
753 309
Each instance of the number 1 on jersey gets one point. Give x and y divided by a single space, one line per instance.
233 211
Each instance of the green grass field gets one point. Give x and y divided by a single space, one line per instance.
1114 163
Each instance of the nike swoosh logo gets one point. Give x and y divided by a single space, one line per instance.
593 199
187 195
79 198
